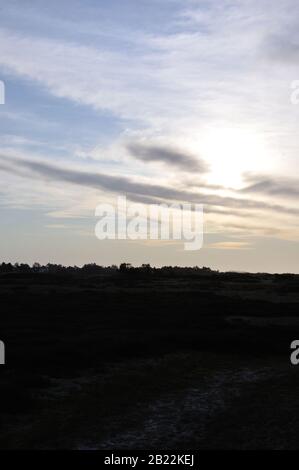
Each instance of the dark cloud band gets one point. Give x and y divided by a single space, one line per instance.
168 156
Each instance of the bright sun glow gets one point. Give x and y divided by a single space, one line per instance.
232 152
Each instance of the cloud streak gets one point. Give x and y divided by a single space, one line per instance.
168 156
134 189
273 186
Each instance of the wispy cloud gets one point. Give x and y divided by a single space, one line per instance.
125 185
234 245
168 155
273 186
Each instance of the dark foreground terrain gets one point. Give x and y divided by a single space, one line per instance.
148 359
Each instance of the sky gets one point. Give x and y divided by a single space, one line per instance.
163 101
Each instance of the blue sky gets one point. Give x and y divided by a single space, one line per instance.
122 90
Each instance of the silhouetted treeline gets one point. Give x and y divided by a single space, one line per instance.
93 269
127 270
